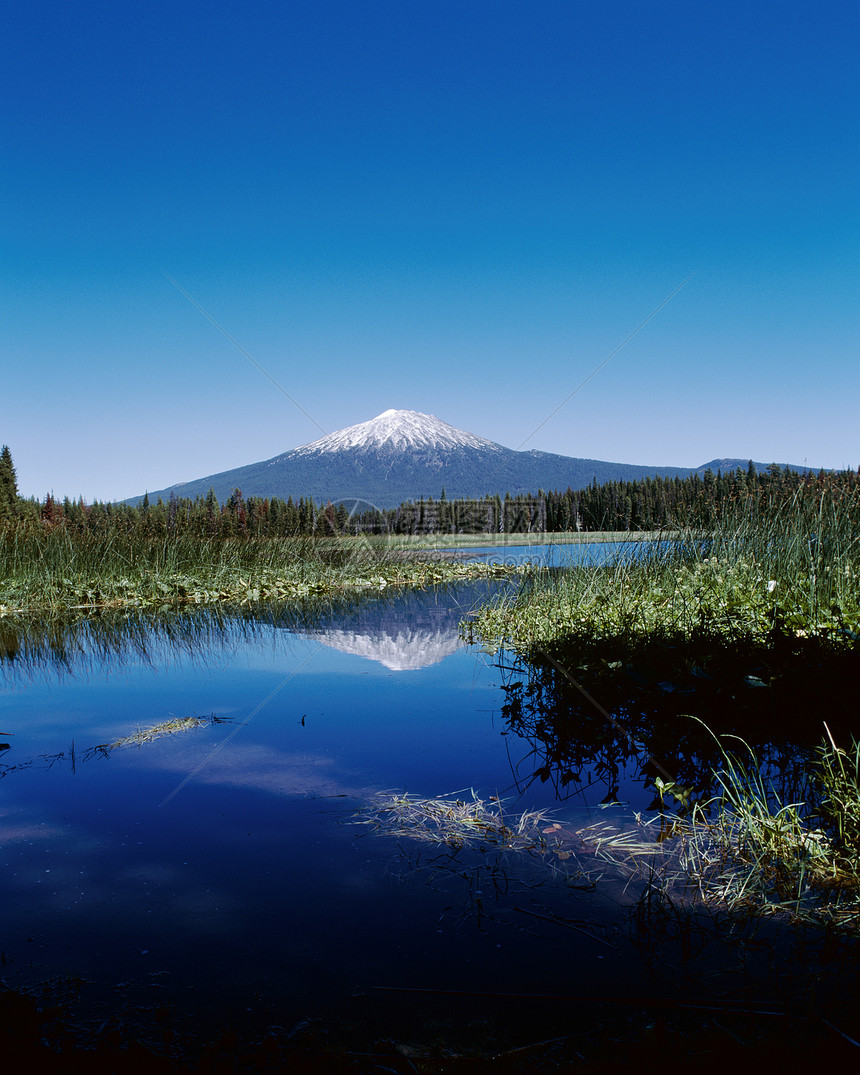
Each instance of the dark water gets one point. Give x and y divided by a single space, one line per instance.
224 867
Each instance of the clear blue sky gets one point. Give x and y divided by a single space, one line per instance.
458 207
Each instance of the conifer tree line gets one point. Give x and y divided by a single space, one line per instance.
644 504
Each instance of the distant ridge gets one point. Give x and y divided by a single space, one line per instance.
403 455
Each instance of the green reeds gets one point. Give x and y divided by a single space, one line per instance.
789 569
49 570
838 773
749 851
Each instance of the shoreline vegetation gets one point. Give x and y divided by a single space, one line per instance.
61 556
48 571
766 601
787 567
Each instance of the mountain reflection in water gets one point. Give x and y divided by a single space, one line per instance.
219 858
404 632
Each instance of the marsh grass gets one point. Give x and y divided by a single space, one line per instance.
746 850
787 569
46 570
839 802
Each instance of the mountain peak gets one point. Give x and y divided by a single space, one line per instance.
396 430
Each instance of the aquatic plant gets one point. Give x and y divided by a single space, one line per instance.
586 852
74 755
749 851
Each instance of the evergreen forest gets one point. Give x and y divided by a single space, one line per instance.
650 504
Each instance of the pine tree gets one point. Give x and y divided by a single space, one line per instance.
8 485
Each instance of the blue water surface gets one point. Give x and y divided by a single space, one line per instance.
229 866
560 554
225 863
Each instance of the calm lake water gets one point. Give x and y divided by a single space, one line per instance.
550 554
225 867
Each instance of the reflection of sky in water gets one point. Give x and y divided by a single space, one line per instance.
219 854
222 855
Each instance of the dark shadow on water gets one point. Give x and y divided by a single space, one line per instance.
606 714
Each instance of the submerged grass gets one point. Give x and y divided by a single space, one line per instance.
586 852
455 823
74 756
743 851
158 731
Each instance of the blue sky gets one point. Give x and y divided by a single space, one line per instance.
457 208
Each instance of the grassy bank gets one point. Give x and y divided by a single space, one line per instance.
44 570
791 569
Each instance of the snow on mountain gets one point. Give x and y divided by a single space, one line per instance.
405 455
397 431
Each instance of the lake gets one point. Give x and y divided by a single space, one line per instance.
553 554
237 872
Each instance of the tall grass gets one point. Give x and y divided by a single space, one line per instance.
45 569
788 567
776 584
752 851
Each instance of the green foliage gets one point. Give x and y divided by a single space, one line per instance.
52 566
752 851
838 773
8 486
786 567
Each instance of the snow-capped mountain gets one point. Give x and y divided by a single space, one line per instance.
401 651
404 455
397 431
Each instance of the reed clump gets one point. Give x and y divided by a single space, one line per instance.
749 851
